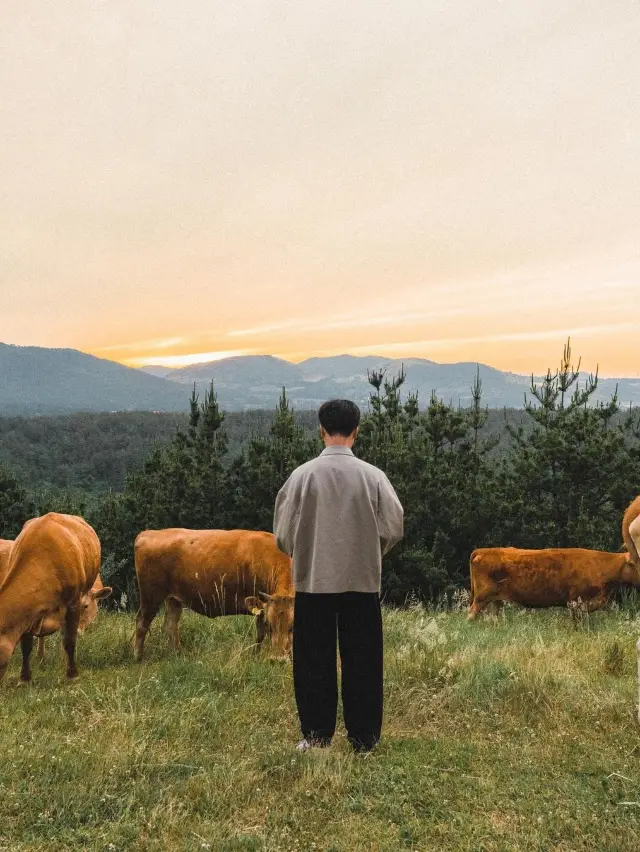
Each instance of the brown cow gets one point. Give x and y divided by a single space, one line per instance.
631 530
88 605
54 562
214 572
543 578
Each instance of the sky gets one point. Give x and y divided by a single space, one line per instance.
455 180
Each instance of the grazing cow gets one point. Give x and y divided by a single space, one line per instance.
631 530
88 604
543 578
54 562
214 572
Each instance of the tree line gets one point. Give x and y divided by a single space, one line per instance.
561 477
93 452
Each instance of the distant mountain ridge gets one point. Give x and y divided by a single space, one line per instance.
35 380
254 381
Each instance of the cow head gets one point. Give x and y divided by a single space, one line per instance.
89 606
274 617
630 574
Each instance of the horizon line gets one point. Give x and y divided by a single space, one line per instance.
225 355
382 358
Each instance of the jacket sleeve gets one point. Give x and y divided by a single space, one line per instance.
390 516
286 514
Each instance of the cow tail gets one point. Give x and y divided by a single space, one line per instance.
472 579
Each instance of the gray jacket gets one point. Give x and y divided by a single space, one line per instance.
337 516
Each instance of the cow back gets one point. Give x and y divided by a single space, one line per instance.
60 553
210 571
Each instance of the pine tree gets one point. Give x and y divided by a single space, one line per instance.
568 479
437 462
261 470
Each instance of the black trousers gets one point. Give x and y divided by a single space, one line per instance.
355 618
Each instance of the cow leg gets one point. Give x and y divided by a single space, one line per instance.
40 649
145 616
69 637
6 650
479 605
597 602
474 611
26 645
172 613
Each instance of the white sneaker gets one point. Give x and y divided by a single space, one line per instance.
305 745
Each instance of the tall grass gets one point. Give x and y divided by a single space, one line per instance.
516 733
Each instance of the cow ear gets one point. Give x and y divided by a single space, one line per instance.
102 593
253 605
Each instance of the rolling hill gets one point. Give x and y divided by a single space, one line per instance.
34 380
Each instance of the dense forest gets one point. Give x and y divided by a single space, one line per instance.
94 452
558 473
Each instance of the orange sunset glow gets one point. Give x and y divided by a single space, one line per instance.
457 182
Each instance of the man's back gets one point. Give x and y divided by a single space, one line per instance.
336 515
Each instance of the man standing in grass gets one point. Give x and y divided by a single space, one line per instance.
337 516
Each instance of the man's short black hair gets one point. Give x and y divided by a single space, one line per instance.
339 417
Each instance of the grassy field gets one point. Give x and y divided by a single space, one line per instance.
513 734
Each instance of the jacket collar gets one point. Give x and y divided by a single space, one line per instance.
336 451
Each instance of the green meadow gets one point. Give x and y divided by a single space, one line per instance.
514 733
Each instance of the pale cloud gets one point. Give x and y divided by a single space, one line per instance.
559 335
304 325
144 346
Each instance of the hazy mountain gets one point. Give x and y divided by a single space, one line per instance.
340 367
255 381
57 381
248 369
158 370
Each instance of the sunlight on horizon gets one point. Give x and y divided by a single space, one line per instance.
182 360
